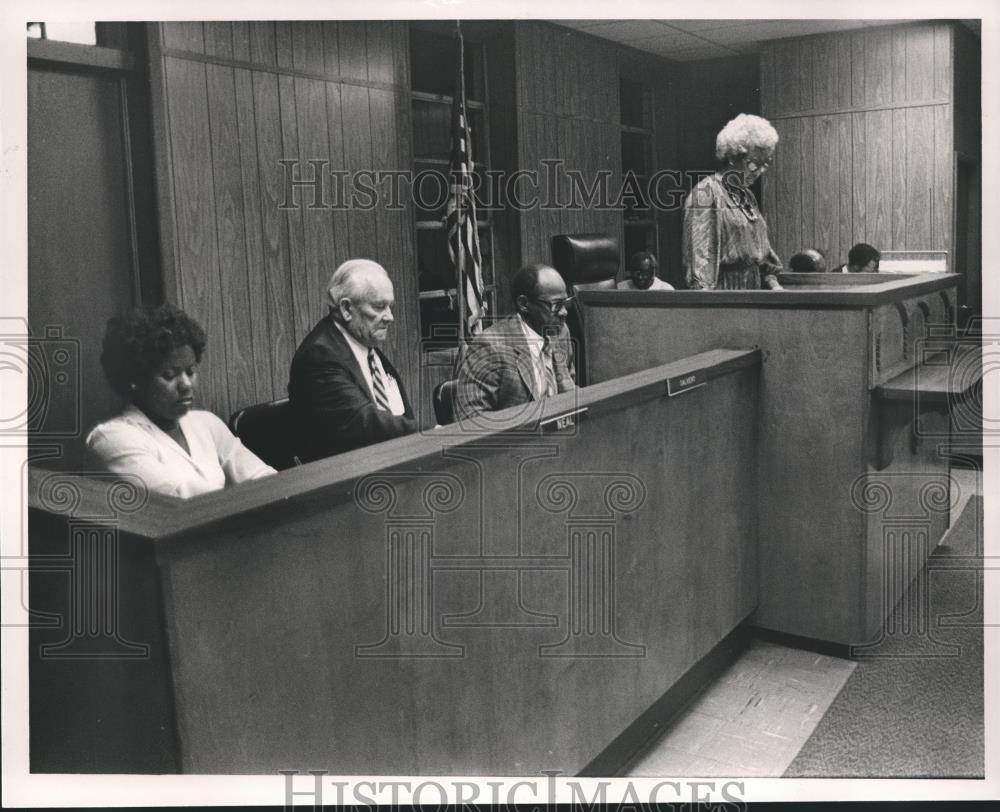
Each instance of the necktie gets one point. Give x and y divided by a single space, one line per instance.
548 365
378 384
555 351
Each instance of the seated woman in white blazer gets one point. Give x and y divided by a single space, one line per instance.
150 357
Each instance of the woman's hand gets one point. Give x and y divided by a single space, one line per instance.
771 281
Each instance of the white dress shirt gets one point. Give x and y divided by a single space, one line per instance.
360 351
658 284
133 444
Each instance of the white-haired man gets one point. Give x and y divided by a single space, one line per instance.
344 392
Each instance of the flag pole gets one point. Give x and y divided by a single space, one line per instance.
459 99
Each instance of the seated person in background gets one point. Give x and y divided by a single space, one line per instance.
151 357
862 258
642 267
343 391
812 260
524 357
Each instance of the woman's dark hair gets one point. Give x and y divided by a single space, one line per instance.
135 344
861 254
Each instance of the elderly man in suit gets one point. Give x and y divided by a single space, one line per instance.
522 358
344 392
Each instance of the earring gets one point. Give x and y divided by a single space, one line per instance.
131 386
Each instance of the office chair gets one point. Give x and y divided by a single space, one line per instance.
586 262
265 429
443 399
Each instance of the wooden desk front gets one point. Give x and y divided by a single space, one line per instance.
848 511
497 603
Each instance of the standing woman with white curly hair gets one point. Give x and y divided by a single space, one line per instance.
725 241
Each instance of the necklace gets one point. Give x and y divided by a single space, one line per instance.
741 198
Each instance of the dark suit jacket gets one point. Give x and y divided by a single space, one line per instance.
332 407
497 370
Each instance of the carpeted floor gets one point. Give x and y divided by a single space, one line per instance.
914 705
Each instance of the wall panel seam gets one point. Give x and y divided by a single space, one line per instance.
863 109
304 74
218 249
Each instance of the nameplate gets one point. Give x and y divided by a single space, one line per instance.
679 384
561 422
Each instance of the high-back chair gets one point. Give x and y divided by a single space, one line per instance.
586 262
266 430
443 400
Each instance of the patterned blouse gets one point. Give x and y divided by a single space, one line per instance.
725 243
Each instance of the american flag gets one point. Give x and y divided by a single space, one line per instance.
460 215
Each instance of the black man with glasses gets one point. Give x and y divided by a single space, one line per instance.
524 357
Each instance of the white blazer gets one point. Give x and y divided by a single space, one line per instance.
133 444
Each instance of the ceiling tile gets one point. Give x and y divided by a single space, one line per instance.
702 25
704 39
627 30
876 23
761 30
676 39
581 25
705 51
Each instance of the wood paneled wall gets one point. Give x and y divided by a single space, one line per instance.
710 93
663 79
968 183
968 88
568 98
230 101
866 151
567 109
866 119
